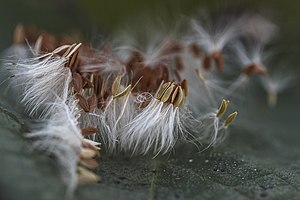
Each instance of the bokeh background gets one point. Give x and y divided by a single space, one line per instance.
258 162
92 17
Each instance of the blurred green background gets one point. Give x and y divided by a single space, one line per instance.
92 17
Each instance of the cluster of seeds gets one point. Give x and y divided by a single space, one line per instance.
137 100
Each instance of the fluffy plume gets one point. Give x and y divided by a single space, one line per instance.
140 98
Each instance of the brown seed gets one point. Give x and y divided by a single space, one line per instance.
73 61
31 33
77 82
83 102
207 62
87 83
49 43
253 69
86 131
219 60
92 101
195 49
98 85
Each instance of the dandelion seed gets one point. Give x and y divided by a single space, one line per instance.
276 82
211 125
213 38
163 125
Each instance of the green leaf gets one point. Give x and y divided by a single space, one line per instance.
251 164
